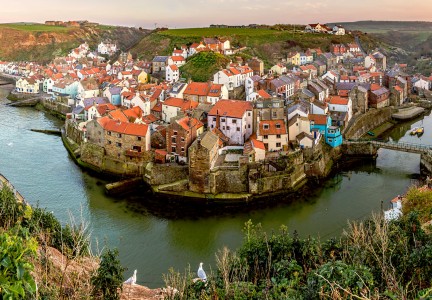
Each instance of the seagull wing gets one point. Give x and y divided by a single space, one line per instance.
202 274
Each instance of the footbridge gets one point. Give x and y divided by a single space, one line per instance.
371 147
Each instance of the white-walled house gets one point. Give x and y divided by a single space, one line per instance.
28 85
341 104
142 102
172 107
273 133
107 48
88 88
234 118
172 73
338 30
296 125
233 77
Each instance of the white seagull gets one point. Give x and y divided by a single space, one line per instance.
201 274
131 280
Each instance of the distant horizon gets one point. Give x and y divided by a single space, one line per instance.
202 13
220 23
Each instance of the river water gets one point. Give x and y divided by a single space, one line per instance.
153 240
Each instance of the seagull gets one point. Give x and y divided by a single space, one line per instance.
201 273
10 144
131 280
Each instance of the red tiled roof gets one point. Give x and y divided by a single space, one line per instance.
231 108
173 67
272 127
338 100
118 115
375 87
178 58
123 127
258 144
318 119
264 94
189 123
197 88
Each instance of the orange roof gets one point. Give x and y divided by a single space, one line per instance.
197 88
318 119
257 144
375 87
215 90
231 108
149 119
183 104
398 88
173 67
338 100
178 58
264 94
189 123
157 107
134 112
118 115
123 127
272 127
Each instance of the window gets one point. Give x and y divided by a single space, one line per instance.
182 149
214 119
249 114
238 128
249 126
278 126
119 145
109 132
278 136
212 126
138 138
278 145
228 128
173 149
109 142
234 121
174 132
182 139
266 126
265 136
330 140
274 114
223 120
119 135
173 139
223 127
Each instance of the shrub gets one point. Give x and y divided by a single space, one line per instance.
109 277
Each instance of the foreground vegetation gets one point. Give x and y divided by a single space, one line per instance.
42 259
373 259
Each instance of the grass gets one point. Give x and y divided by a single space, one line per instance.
210 32
34 27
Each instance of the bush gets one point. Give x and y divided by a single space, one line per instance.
109 277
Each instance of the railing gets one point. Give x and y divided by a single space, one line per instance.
403 146
6 182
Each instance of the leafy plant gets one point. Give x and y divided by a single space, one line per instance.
109 277
16 250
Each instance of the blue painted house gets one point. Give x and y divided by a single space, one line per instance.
334 136
323 124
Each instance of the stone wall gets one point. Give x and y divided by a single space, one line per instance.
359 149
368 121
228 181
157 174
56 106
92 154
426 162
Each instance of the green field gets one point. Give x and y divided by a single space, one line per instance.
210 32
34 27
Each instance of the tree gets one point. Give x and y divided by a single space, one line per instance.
109 277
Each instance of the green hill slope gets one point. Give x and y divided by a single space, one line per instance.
270 45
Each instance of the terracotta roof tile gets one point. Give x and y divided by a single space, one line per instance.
231 108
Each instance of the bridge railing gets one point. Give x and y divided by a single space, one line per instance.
394 145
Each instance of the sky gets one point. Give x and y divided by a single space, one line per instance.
201 13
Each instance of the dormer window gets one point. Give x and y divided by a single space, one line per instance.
278 126
266 126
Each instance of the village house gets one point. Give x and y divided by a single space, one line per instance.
205 92
65 87
233 77
257 66
273 133
379 97
180 134
296 125
176 90
233 118
159 63
278 69
98 110
88 88
107 48
28 85
255 150
121 141
343 107
203 154
172 73
172 107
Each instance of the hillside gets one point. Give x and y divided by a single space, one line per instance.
270 45
402 41
37 42
203 65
